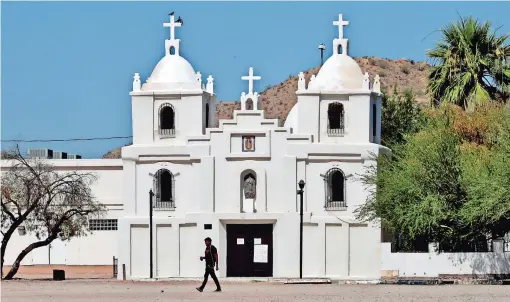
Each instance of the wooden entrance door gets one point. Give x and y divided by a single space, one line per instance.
246 247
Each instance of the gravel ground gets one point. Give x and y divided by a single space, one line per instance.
127 291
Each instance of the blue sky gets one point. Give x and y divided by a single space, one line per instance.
67 68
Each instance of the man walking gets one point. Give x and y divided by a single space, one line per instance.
211 260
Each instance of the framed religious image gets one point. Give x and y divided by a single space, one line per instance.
248 143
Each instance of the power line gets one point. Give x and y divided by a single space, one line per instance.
63 140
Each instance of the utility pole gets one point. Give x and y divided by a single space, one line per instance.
151 194
322 47
300 192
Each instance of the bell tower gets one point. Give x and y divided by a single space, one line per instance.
173 103
339 105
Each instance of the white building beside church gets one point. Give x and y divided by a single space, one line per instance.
236 183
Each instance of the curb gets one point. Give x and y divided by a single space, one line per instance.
294 281
445 282
307 281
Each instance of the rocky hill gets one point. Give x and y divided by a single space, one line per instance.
277 100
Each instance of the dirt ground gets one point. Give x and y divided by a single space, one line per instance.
128 291
72 271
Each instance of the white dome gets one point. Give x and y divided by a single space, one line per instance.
339 72
172 72
173 69
292 119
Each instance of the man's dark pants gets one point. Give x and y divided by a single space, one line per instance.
210 271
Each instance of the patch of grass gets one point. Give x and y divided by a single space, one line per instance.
382 74
372 61
404 69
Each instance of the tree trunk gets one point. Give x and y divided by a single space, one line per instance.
28 249
5 240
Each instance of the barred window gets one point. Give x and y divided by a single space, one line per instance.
164 190
335 190
103 224
166 120
336 119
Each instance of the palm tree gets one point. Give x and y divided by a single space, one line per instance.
470 65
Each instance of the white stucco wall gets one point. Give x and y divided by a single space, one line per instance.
432 264
208 190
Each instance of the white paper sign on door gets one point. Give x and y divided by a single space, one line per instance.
260 253
240 240
258 241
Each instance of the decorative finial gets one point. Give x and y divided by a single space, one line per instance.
210 84
250 78
301 81
366 81
137 84
199 77
377 84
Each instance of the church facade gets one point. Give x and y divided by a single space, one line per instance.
237 183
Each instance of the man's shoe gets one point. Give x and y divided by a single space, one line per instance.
199 289
218 290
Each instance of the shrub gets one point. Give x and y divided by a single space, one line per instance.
422 66
383 64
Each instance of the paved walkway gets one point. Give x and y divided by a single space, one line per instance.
129 291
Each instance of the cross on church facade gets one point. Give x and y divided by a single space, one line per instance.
340 23
172 26
250 78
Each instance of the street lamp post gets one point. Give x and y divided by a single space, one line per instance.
300 192
151 194
322 47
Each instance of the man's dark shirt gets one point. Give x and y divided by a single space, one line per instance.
210 254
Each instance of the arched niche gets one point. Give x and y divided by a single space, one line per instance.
248 191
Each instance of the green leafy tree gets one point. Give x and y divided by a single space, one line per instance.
470 65
400 116
449 183
486 176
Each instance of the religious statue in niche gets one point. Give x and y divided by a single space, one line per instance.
248 143
250 186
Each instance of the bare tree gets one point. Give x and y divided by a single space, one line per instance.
49 203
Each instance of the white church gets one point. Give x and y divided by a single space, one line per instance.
236 183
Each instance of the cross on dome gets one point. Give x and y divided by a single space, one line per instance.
340 23
250 78
172 25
